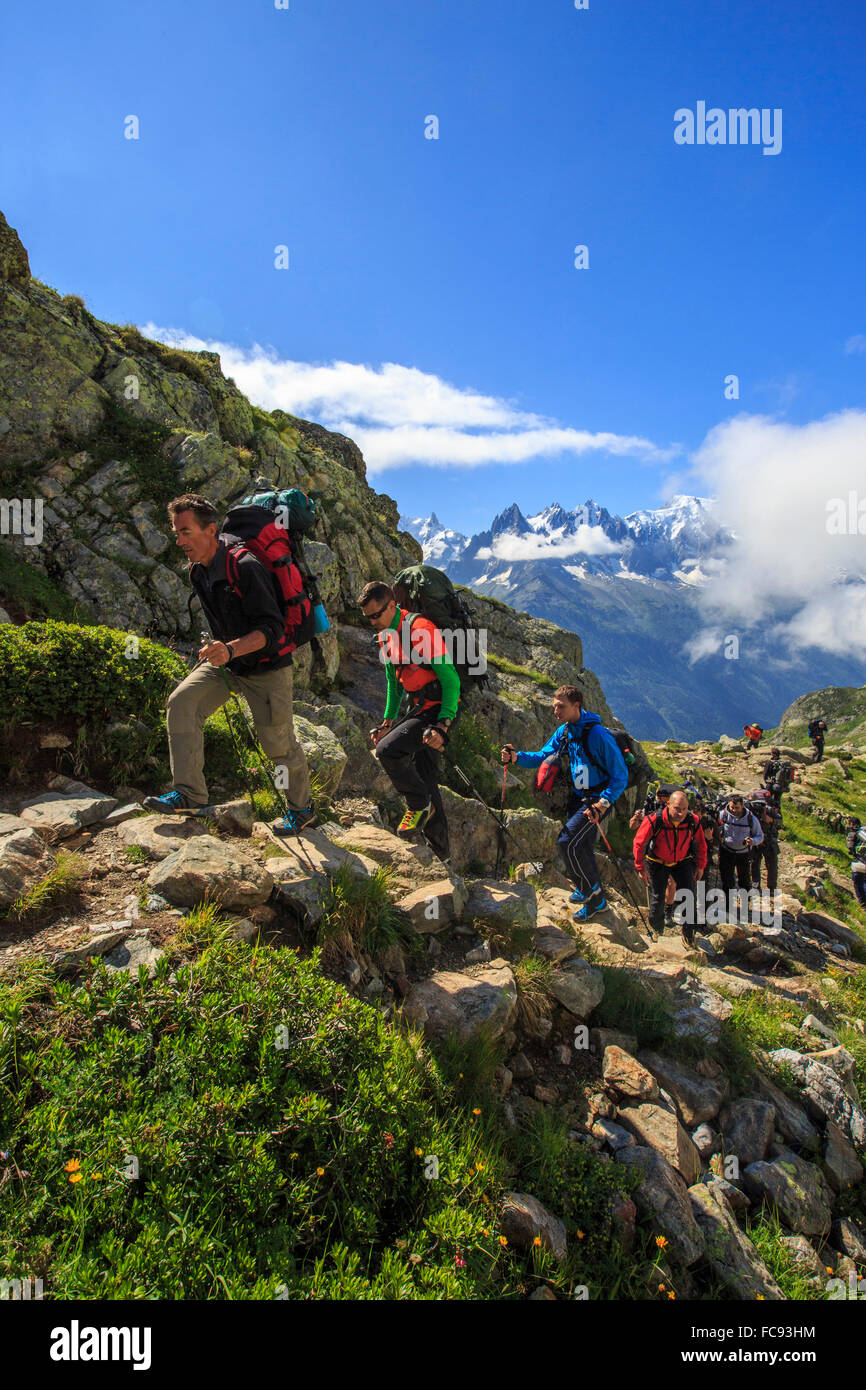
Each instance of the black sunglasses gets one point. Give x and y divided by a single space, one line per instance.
378 613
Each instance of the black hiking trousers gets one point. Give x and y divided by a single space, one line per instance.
576 842
735 867
770 853
413 768
818 742
683 875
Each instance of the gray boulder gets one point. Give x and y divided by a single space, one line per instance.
501 905
24 858
844 1168
825 1094
205 867
522 1219
795 1188
696 1097
457 1005
747 1128
578 987
730 1254
663 1197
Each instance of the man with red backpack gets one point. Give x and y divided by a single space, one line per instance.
754 733
671 844
250 656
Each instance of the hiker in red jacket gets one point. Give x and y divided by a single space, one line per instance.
754 733
671 843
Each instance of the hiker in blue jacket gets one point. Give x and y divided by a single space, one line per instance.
598 778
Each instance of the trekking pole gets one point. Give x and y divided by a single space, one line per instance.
593 818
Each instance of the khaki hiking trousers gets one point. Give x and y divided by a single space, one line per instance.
269 696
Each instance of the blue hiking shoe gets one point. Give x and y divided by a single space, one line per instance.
594 903
295 822
577 896
174 803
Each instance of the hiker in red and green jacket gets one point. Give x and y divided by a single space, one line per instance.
754 733
417 665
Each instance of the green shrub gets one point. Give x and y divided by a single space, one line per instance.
280 1128
52 670
360 914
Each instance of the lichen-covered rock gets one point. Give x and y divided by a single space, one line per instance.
625 1075
697 1098
523 1219
747 1128
730 1254
663 1197
796 1189
435 906
825 1094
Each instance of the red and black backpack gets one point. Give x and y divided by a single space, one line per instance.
260 534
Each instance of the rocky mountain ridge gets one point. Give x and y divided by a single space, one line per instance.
632 585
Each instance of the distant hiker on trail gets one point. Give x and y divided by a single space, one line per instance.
739 831
671 844
855 842
754 733
816 731
250 655
417 665
778 774
655 801
770 820
598 778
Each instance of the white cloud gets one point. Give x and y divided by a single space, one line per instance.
857 343
776 485
587 540
399 415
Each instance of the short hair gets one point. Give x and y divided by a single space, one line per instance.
375 592
774 749
678 791
204 511
572 693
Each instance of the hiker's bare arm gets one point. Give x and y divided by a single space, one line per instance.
218 654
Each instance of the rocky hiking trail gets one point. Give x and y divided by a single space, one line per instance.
712 1148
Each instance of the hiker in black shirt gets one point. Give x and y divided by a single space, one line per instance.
816 731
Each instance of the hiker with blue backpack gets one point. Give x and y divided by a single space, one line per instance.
259 610
599 776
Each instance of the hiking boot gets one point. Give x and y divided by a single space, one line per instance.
669 918
173 802
577 896
415 820
594 902
295 822
688 936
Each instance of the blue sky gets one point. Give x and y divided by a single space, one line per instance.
452 259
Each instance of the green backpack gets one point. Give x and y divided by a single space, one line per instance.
298 508
426 590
